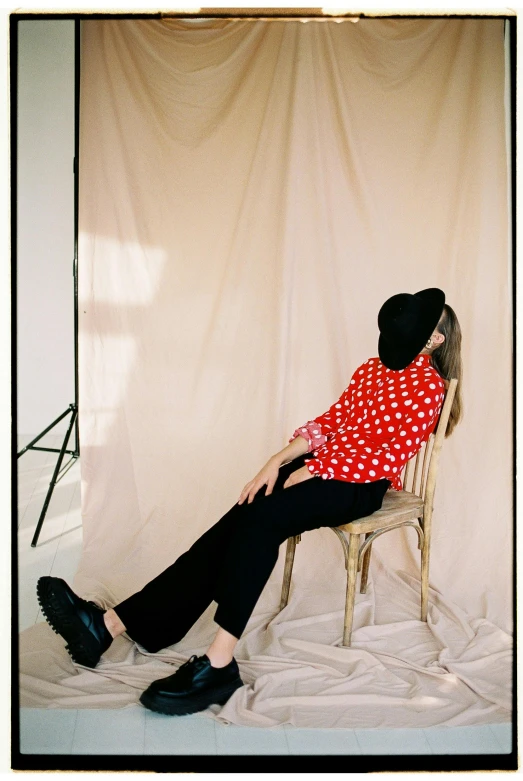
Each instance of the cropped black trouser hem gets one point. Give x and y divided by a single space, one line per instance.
232 561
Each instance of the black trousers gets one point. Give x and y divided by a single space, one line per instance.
232 561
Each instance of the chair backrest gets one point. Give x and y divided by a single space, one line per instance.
419 475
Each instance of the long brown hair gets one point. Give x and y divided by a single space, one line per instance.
447 361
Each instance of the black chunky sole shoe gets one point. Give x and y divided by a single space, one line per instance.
79 622
192 688
183 706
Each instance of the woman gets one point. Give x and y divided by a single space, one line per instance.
357 449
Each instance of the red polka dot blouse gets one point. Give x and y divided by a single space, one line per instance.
379 422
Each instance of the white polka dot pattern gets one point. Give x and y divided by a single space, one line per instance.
351 442
311 431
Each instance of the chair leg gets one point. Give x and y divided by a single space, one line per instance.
365 568
287 572
424 580
352 571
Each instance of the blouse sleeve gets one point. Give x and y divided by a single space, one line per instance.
319 430
311 431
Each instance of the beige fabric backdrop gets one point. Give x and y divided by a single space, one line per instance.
250 193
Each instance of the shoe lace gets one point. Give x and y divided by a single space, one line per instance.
191 665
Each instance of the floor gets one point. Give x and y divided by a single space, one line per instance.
137 731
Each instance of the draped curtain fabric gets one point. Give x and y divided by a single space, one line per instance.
250 194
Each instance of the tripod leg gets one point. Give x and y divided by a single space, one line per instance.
54 478
44 432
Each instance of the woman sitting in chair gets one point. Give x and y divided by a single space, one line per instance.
357 449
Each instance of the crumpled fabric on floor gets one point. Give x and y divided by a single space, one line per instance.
453 670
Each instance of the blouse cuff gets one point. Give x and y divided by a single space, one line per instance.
311 431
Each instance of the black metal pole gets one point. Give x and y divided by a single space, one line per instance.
73 408
54 478
15 604
76 176
44 432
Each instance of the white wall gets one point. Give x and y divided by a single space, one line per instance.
45 228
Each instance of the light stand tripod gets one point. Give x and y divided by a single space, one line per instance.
60 471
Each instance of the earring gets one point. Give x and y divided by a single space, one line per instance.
429 344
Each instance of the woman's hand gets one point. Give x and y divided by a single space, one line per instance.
266 476
298 477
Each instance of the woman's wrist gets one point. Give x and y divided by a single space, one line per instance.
297 447
277 459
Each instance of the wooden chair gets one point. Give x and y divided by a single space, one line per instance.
410 507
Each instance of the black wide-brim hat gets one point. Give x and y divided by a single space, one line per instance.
406 321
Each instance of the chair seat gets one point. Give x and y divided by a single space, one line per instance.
397 507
